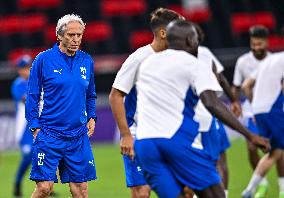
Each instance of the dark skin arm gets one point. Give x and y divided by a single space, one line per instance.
117 106
236 94
216 108
235 105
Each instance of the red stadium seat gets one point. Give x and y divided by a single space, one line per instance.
265 18
43 4
276 42
15 54
97 31
140 38
197 15
241 22
123 8
23 24
50 35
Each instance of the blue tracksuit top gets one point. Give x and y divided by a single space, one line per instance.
67 87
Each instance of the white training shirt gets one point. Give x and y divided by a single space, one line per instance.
125 81
268 85
245 66
202 115
166 80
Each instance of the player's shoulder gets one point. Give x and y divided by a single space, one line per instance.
43 54
84 55
18 81
276 58
141 53
204 50
244 57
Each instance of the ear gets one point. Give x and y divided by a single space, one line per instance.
59 38
163 33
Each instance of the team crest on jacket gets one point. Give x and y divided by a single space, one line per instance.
83 72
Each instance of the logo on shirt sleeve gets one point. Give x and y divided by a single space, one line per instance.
83 72
57 71
40 157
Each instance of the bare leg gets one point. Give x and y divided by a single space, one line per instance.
43 189
223 169
280 166
188 193
140 191
212 192
252 155
79 190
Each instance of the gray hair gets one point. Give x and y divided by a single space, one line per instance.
63 21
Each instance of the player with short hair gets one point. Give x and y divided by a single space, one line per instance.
169 147
23 134
245 66
267 105
64 77
125 110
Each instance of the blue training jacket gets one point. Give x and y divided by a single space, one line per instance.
67 86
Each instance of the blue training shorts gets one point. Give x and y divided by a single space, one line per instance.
251 125
171 164
73 157
133 172
271 126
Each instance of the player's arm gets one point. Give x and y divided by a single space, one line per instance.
33 96
123 83
116 99
218 109
247 88
237 82
91 102
235 105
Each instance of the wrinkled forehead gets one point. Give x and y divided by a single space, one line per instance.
74 27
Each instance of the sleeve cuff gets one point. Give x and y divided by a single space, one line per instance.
94 117
34 124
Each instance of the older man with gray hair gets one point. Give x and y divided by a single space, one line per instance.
64 77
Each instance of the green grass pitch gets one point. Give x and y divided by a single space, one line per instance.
111 180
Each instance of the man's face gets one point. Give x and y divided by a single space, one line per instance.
24 72
258 47
72 37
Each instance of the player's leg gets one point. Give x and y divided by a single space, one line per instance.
156 169
78 165
140 191
46 155
79 190
135 179
23 167
43 189
262 168
280 171
212 192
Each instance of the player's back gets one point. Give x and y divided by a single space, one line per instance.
268 91
165 93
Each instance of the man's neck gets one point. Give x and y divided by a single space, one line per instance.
158 45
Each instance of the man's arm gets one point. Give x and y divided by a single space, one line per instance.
235 105
216 108
117 105
247 88
33 95
91 102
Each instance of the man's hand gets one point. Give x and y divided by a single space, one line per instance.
260 142
35 133
236 108
126 145
91 127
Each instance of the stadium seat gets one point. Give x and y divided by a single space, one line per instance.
97 31
24 24
140 38
265 18
49 32
111 8
241 22
42 4
197 15
16 53
276 42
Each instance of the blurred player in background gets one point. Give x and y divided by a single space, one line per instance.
268 108
206 56
125 110
64 77
23 134
245 66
